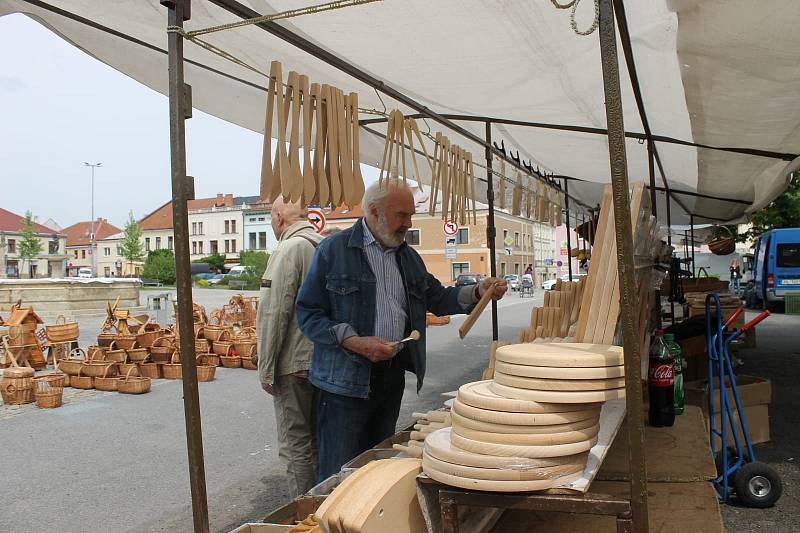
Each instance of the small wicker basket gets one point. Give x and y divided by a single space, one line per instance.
133 384
81 382
94 367
247 360
115 353
230 361
62 331
172 370
205 372
150 370
72 364
108 381
125 342
138 355
48 396
216 332
106 338
221 348
162 349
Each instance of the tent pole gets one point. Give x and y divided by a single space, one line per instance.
691 229
669 242
179 110
491 230
628 299
569 240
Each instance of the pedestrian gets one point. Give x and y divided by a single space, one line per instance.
284 353
529 271
736 276
366 290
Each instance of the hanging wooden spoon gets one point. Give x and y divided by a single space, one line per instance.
267 175
296 176
280 148
320 176
333 146
284 167
309 185
345 161
358 178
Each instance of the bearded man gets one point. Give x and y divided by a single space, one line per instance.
366 290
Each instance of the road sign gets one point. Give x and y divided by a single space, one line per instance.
548 262
509 250
508 241
450 253
450 227
317 219
559 263
450 242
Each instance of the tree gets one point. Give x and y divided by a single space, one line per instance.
30 246
254 259
131 247
783 212
160 265
216 261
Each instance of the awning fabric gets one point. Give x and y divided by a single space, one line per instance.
719 73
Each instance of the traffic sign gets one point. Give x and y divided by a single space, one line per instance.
450 227
317 219
559 263
450 242
548 262
509 250
450 253
508 241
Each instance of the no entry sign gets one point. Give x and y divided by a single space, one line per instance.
317 219
450 228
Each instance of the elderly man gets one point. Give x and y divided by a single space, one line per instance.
365 291
284 354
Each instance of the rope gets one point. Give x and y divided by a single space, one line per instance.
595 22
319 8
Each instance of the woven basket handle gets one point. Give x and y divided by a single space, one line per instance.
128 373
108 367
61 320
174 354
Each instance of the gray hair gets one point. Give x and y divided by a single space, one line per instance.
377 192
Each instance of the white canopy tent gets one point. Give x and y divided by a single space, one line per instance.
721 74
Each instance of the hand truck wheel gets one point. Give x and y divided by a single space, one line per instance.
758 485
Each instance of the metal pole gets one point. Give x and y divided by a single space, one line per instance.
92 250
691 229
669 241
625 265
491 230
569 240
179 108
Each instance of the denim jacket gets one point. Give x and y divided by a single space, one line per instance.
337 300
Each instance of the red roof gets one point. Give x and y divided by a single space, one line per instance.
78 234
161 218
342 212
12 222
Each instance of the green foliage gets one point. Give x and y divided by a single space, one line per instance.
256 260
784 212
131 246
160 265
200 282
216 261
30 246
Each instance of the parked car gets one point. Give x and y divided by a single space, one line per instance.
205 275
85 272
216 278
550 284
513 281
238 270
468 278
776 271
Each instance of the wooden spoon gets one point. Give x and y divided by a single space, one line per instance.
295 176
267 175
345 160
309 185
358 179
333 145
284 167
320 176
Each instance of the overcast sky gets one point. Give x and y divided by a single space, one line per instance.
60 107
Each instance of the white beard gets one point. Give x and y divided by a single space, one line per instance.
388 238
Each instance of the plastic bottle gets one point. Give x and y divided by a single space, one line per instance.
675 349
661 382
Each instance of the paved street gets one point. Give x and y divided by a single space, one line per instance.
110 462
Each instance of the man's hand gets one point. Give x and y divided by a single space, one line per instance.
270 389
499 290
375 349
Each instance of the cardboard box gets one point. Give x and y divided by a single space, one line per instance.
755 394
726 314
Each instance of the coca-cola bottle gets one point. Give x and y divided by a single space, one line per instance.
661 382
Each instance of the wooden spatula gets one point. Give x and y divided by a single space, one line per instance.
333 145
296 175
345 160
320 176
309 184
358 179
267 175
284 167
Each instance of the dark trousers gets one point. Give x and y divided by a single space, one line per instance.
347 426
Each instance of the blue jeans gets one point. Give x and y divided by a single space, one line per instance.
348 426
735 285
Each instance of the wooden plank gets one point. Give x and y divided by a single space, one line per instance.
594 268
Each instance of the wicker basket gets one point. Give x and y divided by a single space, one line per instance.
247 360
94 367
81 382
125 342
16 387
151 332
202 346
54 380
216 332
205 372
72 364
105 339
108 381
221 348
48 396
230 361
62 331
138 355
172 370
150 370
133 384
115 353
723 245
162 349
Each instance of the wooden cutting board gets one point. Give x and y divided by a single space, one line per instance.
561 354
497 486
557 396
521 439
479 394
521 419
502 474
507 450
566 385
508 429
554 372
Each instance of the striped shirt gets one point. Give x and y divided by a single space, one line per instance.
391 307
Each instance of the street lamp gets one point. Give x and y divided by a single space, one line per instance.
92 249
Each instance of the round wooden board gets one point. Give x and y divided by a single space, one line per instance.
498 486
509 429
561 354
563 385
480 394
439 445
507 450
522 419
554 372
558 396
517 439
501 474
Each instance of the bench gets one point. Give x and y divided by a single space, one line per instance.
150 282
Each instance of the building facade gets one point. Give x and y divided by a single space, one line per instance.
79 244
51 262
257 225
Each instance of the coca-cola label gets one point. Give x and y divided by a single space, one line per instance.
662 375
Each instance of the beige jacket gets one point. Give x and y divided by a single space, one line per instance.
282 349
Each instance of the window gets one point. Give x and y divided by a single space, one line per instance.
194 247
147 243
516 269
412 237
505 235
233 226
503 269
158 243
106 252
262 240
12 247
227 227
53 247
261 219
252 240
200 228
460 268
227 246
214 247
169 243
233 246
462 237
83 254
194 228
788 255
107 272
516 238
119 250
200 246
252 219
76 254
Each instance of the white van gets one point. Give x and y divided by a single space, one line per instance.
85 272
238 270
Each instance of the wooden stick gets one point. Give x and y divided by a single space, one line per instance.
476 312
309 185
294 181
267 175
333 145
358 178
320 177
345 159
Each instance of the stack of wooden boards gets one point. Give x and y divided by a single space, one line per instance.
332 176
377 498
426 424
531 428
